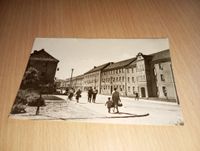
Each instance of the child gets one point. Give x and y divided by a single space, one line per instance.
109 104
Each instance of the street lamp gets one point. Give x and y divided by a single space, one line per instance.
71 77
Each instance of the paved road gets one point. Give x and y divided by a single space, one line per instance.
132 112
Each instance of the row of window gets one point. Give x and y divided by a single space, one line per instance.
120 87
120 79
91 81
117 71
108 87
91 75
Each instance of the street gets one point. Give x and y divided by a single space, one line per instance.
132 112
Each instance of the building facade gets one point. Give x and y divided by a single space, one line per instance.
147 75
164 84
92 78
45 64
77 82
114 76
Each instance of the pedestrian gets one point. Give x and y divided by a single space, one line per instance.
78 95
115 99
94 94
71 94
136 96
109 104
89 94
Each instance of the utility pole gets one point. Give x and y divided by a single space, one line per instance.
71 77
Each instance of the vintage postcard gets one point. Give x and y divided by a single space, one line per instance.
127 81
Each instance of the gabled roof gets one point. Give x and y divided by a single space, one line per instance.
165 54
42 55
98 68
119 64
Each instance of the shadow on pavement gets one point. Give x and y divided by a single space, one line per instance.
128 115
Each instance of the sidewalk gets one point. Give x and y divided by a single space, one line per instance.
137 112
132 112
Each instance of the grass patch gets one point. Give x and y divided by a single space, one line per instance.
50 97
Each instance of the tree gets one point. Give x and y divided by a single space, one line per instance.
31 86
31 79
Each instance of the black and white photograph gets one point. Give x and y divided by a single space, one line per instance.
121 81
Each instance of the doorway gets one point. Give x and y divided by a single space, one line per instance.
143 92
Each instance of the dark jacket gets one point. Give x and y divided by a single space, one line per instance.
115 96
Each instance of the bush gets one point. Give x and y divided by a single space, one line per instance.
26 97
20 103
33 99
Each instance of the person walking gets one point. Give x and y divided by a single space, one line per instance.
94 94
78 95
71 94
136 96
89 94
109 104
115 99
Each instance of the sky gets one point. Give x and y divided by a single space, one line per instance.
83 54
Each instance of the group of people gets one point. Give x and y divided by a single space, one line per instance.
112 102
92 94
115 102
77 94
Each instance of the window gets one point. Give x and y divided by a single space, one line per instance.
116 78
164 91
123 87
133 79
162 77
132 70
160 66
133 89
127 70
129 89
119 78
128 79
116 71
122 79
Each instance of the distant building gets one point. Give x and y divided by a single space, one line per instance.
114 76
92 78
45 64
77 82
61 85
150 76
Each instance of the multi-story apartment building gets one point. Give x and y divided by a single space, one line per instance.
114 76
46 65
148 75
92 78
77 82
163 79
151 76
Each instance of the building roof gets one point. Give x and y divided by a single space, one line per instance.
132 64
75 77
42 55
162 55
120 64
98 68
